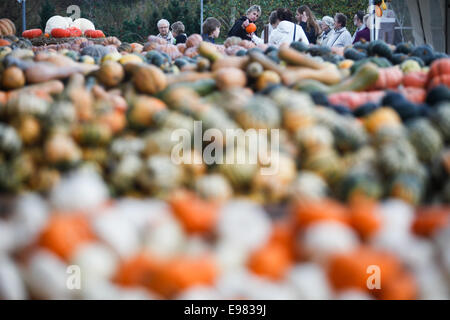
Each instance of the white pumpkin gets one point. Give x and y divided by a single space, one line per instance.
57 22
83 24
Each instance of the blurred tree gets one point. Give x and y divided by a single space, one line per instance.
47 11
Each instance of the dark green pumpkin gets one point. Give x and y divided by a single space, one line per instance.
398 58
354 54
404 48
319 51
424 52
380 62
425 139
361 46
380 48
299 46
438 94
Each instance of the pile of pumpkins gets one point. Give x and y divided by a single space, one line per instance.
356 127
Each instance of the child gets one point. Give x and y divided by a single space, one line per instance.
211 29
178 32
238 30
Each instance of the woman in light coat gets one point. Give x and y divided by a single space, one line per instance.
286 30
339 36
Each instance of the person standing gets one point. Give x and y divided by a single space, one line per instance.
211 29
238 29
164 32
273 22
358 22
340 36
364 33
178 32
307 21
286 31
327 26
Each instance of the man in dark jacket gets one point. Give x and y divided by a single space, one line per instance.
238 29
362 31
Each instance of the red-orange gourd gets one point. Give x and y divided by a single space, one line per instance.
32 33
94 34
60 33
416 79
75 32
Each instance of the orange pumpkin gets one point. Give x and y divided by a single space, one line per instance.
137 271
4 42
94 34
430 219
350 270
416 79
60 33
308 212
247 44
195 214
181 273
191 52
415 95
75 32
65 233
251 28
364 216
171 50
271 261
181 47
388 78
32 33
193 40
439 67
353 99
443 79
403 287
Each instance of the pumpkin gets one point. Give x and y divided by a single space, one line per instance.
181 47
13 78
397 157
438 94
60 33
142 111
125 47
439 67
4 42
32 33
365 216
112 41
75 32
10 142
429 220
91 134
60 149
156 39
111 73
441 119
299 46
149 79
247 44
407 187
388 78
416 79
95 51
7 27
353 100
195 214
213 187
308 211
94 34
251 28
425 138
414 95
380 48
228 78
191 52
439 80
380 118
271 261
233 50
193 40
259 113
171 50
349 270
424 52
65 233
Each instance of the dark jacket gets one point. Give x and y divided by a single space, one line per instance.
363 34
208 38
238 31
311 35
181 38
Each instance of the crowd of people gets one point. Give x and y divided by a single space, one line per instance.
282 27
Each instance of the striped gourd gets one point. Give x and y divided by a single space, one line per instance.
159 141
216 118
397 157
259 113
326 163
349 135
441 118
213 187
124 173
365 156
310 139
26 104
407 187
387 135
10 142
92 134
238 167
308 185
426 139
126 145
357 183
160 175
174 120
